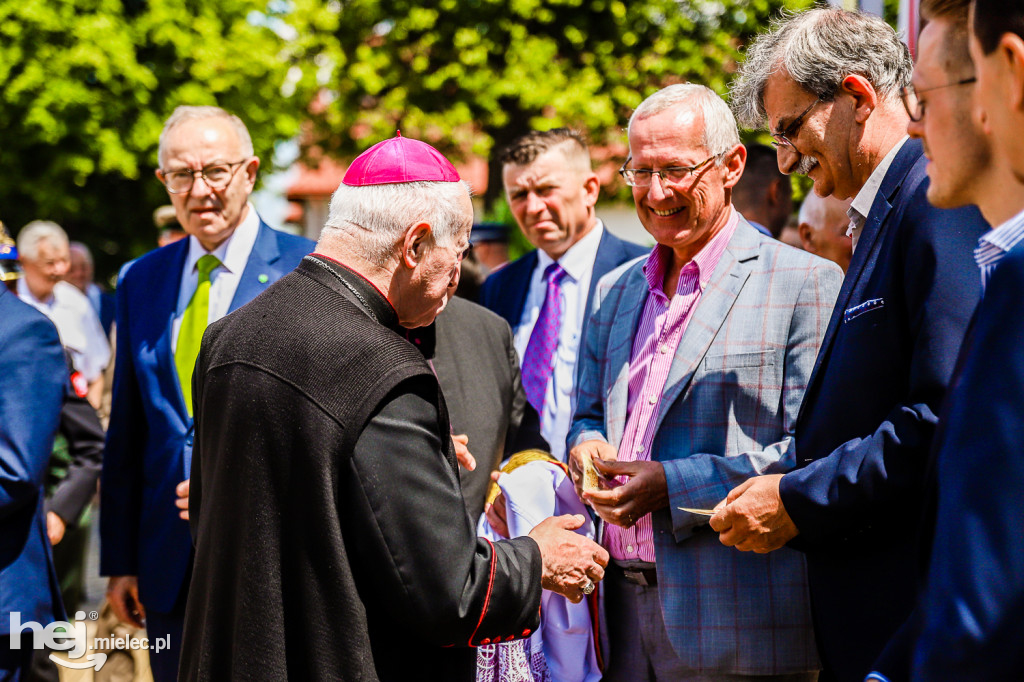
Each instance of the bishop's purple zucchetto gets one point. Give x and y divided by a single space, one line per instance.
400 159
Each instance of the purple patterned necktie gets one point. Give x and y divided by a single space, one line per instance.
540 351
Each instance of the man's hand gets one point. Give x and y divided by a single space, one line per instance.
644 492
462 453
55 527
123 595
571 561
597 449
496 512
752 518
182 502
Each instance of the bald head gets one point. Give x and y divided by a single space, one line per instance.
823 226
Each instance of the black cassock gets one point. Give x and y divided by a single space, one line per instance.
330 536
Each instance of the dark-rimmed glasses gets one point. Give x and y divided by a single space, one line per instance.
783 138
641 177
911 97
216 176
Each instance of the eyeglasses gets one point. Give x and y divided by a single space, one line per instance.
783 138
913 103
641 177
216 176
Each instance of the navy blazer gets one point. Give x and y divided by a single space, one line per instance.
870 410
33 378
504 291
140 531
967 624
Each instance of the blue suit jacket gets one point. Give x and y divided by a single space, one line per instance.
33 378
967 624
150 430
504 292
866 425
727 413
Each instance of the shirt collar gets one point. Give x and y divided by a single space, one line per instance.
25 294
866 196
234 252
705 260
580 256
996 242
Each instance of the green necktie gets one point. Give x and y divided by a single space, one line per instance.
193 324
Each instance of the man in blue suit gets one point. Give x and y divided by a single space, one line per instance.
33 378
967 624
164 302
828 83
547 293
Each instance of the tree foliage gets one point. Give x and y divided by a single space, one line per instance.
471 75
85 86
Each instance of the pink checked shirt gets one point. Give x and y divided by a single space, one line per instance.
661 327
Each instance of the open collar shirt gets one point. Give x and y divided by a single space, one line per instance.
655 345
578 263
233 255
861 205
77 325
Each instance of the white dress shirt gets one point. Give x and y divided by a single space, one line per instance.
861 205
77 325
578 263
233 255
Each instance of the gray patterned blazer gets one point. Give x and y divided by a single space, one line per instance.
731 400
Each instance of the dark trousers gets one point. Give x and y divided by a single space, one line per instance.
165 663
14 663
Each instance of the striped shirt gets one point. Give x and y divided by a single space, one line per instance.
661 327
995 244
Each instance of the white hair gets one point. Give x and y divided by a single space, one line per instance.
378 215
188 113
37 231
818 49
720 132
84 250
818 211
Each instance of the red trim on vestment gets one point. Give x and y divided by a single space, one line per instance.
487 599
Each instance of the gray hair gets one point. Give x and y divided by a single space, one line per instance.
187 113
37 231
818 49
378 215
720 132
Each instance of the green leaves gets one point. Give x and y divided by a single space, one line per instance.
471 75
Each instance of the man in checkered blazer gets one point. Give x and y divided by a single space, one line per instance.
691 377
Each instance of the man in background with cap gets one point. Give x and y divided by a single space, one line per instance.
344 552
545 296
164 302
